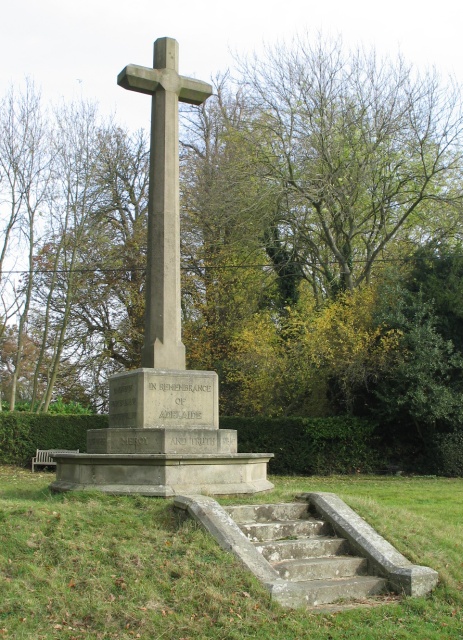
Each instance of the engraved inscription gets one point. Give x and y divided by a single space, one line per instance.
195 441
122 388
130 440
124 402
202 441
180 415
151 399
193 388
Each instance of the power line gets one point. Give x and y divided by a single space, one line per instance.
200 267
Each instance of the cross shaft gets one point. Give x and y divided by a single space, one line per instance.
163 347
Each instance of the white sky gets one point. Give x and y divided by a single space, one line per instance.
77 47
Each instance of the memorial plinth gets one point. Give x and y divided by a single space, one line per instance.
163 436
163 439
163 475
147 398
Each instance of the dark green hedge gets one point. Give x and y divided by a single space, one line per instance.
449 454
305 446
302 446
22 433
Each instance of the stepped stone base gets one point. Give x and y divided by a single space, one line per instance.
143 441
163 475
163 440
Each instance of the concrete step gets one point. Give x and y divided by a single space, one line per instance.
318 592
276 551
280 530
322 568
267 512
302 568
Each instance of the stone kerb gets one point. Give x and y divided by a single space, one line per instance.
384 559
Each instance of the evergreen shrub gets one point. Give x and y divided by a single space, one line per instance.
449 454
310 446
22 433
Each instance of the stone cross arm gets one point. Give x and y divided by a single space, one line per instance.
145 80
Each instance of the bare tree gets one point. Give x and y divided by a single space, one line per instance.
90 302
354 147
24 161
74 205
223 211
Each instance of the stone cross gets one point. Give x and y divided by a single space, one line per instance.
163 347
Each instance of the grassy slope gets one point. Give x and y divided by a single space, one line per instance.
100 567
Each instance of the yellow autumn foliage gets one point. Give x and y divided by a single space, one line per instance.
343 341
257 364
284 366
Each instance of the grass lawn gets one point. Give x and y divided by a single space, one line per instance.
85 565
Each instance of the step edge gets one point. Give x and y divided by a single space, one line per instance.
384 559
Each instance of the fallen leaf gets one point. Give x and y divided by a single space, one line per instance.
120 582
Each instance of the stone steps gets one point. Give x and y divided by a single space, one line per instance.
321 568
317 567
313 593
307 561
288 529
321 546
246 513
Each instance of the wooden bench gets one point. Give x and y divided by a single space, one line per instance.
42 457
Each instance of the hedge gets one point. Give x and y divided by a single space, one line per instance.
449 454
305 446
22 433
302 446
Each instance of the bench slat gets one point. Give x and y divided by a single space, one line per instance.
42 457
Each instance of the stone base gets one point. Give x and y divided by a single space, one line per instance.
143 441
154 398
163 475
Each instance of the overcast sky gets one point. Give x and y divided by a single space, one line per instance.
73 48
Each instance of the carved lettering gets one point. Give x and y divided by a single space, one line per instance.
123 388
181 415
202 441
152 386
193 388
123 402
134 440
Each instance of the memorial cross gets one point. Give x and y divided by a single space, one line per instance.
163 347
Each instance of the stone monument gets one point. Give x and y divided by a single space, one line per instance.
163 436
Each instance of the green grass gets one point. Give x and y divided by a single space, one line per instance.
85 565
